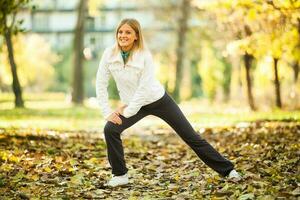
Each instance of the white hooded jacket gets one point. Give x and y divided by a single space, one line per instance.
135 80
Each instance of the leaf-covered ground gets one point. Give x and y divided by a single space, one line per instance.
45 164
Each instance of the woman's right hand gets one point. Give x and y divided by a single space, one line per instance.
115 118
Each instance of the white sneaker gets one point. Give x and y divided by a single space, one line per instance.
234 175
118 180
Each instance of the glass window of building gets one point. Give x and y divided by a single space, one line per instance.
90 23
67 4
44 5
40 22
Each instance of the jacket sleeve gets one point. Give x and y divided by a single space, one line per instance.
102 79
140 96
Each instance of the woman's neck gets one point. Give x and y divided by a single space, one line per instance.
127 48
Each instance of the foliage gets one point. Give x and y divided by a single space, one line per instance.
35 60
62 70
8 11
210 69
264 29
93 7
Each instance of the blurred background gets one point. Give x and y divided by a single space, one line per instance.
215 57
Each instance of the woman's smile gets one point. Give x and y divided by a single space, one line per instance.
126 37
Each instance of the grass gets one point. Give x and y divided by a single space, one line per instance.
44 112
68 118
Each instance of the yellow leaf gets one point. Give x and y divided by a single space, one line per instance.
58 166
7 167
77 179
209 180
252 14
47 169
2 136
94 160
4 156
176 177
71 169
73 162
14 159
35 177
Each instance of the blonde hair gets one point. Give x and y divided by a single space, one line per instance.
135 25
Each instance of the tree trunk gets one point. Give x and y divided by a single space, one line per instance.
227 79
196 79
180 51
78 92
295 66
277 83
16 84
248 62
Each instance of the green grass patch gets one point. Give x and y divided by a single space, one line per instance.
46 113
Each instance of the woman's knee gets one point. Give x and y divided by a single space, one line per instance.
111 128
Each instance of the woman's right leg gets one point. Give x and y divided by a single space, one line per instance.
168 110
115 151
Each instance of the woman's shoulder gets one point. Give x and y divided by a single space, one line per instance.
109 53
145 52
109 49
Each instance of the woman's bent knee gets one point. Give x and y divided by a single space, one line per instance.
110 128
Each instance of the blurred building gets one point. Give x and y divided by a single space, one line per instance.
55 20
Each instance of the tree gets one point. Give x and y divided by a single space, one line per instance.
248 60
78 93
288 18
180 51
9 27
296 63
35 61
251 24
272 24
227 71
231 26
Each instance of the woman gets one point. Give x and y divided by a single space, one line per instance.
132 68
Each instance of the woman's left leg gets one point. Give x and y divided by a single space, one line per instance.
169 111
115 151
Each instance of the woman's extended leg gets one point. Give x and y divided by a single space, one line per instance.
115 151
169 111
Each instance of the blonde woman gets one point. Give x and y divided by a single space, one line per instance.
132 67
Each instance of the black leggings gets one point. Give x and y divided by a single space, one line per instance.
166 109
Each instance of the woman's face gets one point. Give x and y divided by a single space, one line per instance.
126 37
